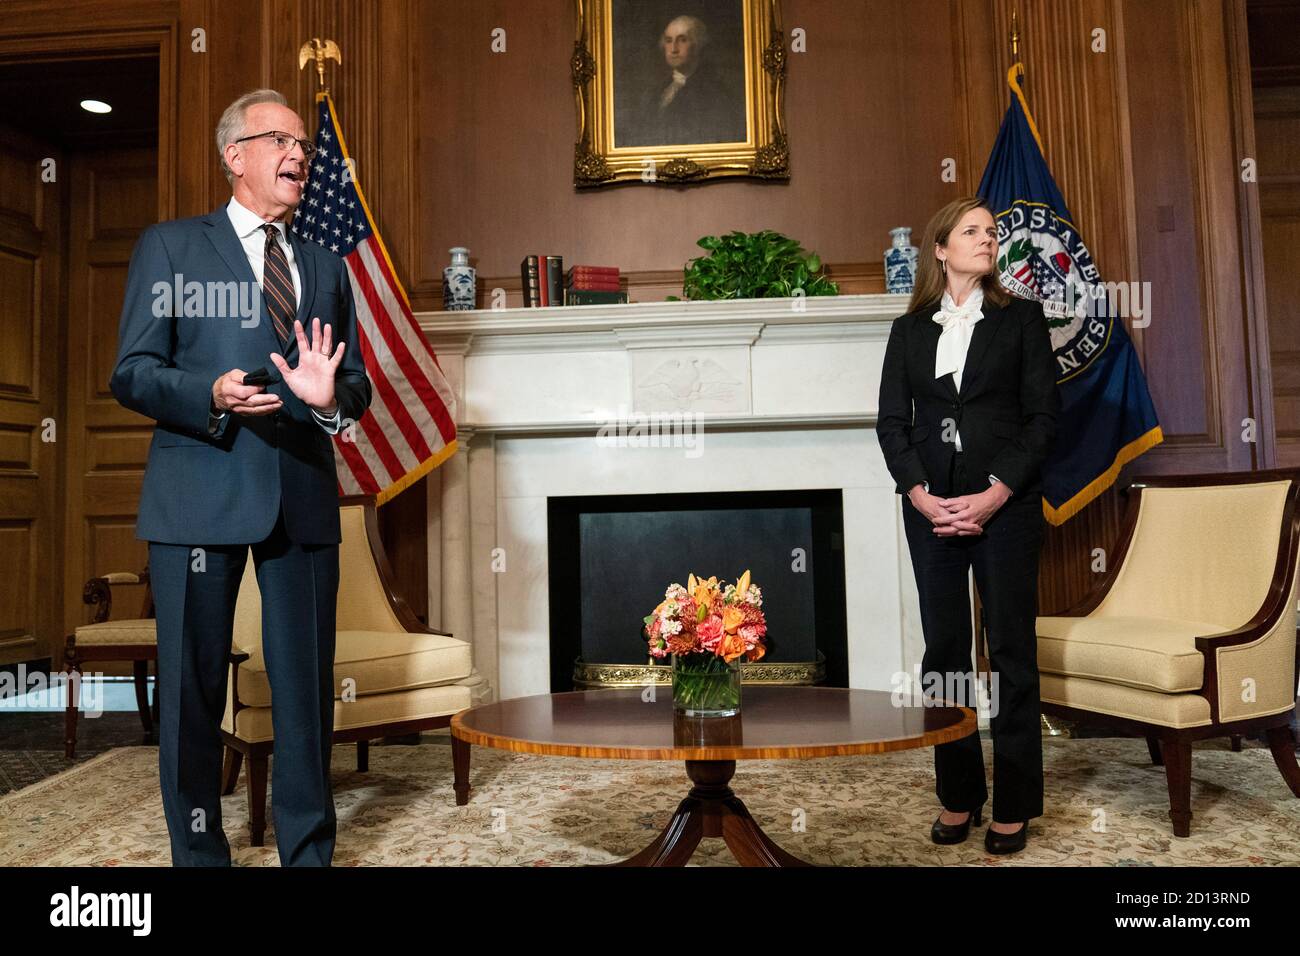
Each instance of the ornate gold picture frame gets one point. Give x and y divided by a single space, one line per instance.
679 91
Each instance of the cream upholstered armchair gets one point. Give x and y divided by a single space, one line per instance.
1192 633
401 676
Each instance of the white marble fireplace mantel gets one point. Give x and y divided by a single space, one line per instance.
783 394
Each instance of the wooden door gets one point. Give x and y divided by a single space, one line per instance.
33 184
113 197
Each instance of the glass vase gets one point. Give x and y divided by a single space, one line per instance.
704 685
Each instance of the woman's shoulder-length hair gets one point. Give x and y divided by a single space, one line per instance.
929 285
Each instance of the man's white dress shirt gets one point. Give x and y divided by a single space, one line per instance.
251 230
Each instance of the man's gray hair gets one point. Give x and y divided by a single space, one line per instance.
694 26
231 125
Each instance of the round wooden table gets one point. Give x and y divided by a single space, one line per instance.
775 723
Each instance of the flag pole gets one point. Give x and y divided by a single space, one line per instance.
1016 80
1016 63
1048 726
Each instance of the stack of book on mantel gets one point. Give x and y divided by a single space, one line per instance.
593 285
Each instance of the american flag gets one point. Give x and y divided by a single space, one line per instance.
411 427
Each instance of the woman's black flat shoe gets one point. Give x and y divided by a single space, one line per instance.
950 833
996 842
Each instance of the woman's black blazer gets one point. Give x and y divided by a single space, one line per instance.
1006 410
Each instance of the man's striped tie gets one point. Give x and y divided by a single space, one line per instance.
277 286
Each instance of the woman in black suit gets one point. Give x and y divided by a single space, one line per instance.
968 408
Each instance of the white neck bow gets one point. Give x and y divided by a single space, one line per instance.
958 323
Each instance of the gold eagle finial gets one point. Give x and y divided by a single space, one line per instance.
320 51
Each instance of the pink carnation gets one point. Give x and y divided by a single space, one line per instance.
752 633
709 631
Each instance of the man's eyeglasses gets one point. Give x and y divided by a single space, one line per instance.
284 142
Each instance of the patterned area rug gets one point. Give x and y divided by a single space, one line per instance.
1106 806
22 768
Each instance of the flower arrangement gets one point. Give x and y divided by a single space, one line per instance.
708 629
707 618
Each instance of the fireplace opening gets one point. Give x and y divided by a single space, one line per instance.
610 558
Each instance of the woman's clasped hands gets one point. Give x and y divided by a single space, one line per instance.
963 515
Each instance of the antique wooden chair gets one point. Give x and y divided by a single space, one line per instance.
130 639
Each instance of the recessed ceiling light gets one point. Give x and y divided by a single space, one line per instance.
96 106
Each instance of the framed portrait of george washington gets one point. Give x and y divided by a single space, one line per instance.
679 91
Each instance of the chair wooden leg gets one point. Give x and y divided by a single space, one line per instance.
230 771
1236 742
1282 743
1178 775
73 687
363 756
141 670
1153 747
257 766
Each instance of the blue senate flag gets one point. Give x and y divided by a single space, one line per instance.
1107 418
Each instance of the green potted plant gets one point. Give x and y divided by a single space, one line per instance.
755 265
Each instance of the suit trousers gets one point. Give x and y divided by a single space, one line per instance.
195 588
1005 562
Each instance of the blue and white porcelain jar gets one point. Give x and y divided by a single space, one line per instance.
900 261
458 282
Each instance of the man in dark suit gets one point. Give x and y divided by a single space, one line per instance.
234 466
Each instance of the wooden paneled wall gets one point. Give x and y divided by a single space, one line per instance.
1275 74
1145 124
